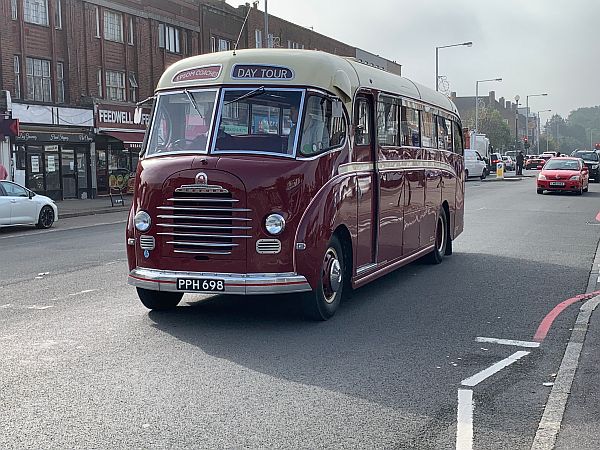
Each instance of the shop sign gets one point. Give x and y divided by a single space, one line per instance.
42 136
120 117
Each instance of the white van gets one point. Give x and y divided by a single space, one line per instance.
474 164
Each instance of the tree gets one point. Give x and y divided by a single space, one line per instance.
493 126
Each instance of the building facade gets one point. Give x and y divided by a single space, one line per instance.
76 69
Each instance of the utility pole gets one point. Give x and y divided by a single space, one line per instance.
267 27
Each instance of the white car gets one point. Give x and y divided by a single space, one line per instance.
20 206
474 165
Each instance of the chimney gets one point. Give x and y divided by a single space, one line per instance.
492 97
502 102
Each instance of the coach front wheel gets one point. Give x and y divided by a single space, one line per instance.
441 239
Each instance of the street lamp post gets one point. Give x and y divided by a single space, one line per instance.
517 98
437 78
477 109
527 111
538 130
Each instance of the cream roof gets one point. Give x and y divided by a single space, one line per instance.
343 76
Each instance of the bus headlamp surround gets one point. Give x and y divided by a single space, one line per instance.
274 224
142 221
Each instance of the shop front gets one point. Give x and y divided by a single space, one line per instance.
118 144
54 162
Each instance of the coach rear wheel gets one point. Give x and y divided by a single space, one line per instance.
157 300
322 303
441 239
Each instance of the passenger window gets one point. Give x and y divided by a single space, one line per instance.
324 125
458 139
411 132
387 121
363 119
429 130
443 133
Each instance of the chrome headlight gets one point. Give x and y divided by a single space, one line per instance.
142 221
275 224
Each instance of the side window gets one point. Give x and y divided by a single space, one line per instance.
479 158
411 132
13 190
443 132
363 120
324 125
387 121
458 139
429 130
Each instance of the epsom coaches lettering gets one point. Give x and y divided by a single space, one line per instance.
290 171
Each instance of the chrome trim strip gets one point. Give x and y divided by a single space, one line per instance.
203 199
194 252
400 164
161 216
202 208
356 167
365 268
202 244
202 227
241 284
226 236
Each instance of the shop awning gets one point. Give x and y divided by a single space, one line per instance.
130 139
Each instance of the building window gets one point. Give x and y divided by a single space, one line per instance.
97 21
113 26
132 87
17 64
130 34
36 11
38 80
219 45
115 85
258 38
58 15
14 9
168 38
60 83
99 82
296 45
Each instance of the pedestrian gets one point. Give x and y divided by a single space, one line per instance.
3 172
520 161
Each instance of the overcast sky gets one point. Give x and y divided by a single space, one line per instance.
534 45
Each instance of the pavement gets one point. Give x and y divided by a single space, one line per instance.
102 205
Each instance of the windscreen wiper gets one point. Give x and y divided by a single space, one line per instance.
193 102
253 93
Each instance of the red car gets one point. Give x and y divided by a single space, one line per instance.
563 174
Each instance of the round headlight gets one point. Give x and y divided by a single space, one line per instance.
275 224
142 221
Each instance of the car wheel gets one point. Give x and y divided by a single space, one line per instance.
46 218
585 189
441 239
322 303
580 191
540 191
157 300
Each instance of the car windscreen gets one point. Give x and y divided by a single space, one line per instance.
182 122
258 120
586 156
562 164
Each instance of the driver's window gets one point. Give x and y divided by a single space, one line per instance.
479 158
13 190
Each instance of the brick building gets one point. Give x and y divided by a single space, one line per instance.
76 68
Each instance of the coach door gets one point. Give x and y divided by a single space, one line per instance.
367 183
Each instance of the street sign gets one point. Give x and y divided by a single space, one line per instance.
9 127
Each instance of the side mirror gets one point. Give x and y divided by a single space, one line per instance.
31 194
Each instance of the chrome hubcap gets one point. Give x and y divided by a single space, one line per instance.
332 275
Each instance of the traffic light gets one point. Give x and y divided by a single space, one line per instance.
526 143
9 127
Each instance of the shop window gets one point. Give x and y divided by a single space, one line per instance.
113 26
387 121
410 127
36 11
38 80
115 85
17 65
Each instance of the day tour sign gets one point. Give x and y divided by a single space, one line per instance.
261 72
198 74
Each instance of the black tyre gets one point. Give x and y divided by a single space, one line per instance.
322 303
46 218
157 300
540 191
441 239
585 189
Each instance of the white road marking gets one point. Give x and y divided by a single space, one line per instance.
495 368
39 307
464 420
508 342
5 306
83 292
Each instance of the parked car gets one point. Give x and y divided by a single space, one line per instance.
592 161
20 206
495 158
548 155
563 174
475 165
534 163
509 164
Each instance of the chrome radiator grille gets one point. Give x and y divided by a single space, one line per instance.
203 223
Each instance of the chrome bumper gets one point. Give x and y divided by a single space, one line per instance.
235 283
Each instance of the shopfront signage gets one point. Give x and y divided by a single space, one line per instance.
120 117
202 73
59 138
261 72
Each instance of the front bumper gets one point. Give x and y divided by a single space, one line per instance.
569 185
240 284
